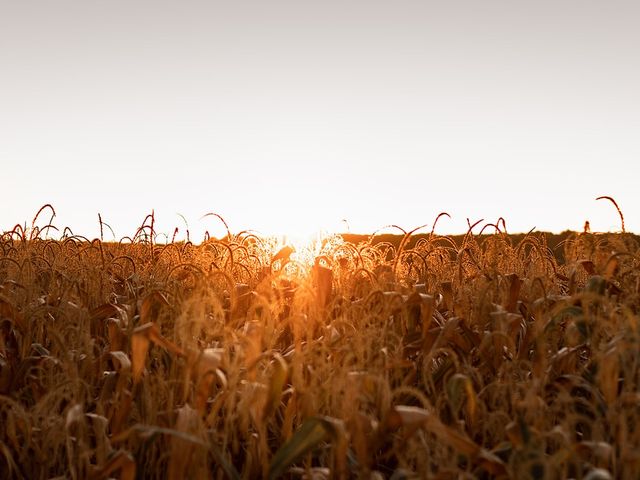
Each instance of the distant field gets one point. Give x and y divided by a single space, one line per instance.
554 241
500 356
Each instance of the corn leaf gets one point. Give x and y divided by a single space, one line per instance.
312 433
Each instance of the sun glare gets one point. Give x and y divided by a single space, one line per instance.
306 246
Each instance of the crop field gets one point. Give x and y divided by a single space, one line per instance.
480 356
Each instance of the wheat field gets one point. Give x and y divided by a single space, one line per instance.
428 357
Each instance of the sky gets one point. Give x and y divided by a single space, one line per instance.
290 117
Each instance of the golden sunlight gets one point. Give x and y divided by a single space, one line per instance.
305 247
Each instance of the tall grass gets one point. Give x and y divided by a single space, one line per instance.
239 358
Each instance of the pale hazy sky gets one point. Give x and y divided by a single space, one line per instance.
290 116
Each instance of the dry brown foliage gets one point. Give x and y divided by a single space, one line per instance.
239 358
